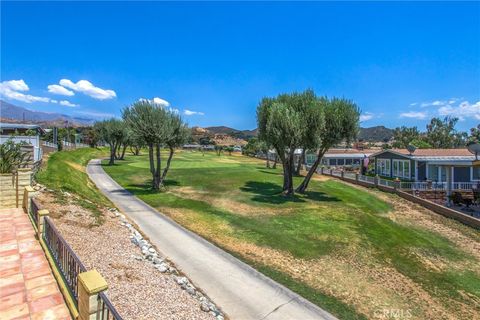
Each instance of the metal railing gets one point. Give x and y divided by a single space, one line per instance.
105 309
386 183
66 260
367 179
349 175
50 144
34 208
437 186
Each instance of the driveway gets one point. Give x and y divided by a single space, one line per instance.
239 290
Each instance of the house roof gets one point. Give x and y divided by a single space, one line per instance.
347 153
25 126
432 154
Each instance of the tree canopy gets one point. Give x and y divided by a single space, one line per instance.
303 120
288 122
158 128
113 132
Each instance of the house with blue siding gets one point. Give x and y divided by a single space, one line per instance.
435 165
341 157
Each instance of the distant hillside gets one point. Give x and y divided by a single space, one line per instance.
239 134
372 134
375 134
13 113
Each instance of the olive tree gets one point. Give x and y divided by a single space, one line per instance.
286 123
341 123
157 128
113 132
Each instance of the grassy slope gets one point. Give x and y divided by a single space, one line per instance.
327 220
65 171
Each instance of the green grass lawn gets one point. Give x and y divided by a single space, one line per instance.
65 171
235 202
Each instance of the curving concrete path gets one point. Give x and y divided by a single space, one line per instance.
239 290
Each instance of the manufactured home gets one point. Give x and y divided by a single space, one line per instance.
436 165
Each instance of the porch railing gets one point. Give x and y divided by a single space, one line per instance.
105 309
34 208
438 186
66 260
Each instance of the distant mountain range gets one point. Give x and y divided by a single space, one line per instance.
375 134
372 134
13 113
239 134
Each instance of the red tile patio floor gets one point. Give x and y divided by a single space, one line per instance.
28 289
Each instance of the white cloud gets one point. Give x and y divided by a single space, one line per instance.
16 85
191 113
463 111
435 103
414 114
13 89
87 88
68 103
366 116
56 89
161 102
95 114
53 101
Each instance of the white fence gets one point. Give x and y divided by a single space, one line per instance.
410 186
75 145
31 140
438 185
50 144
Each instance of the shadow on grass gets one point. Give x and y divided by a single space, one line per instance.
146 187
269 171
269 192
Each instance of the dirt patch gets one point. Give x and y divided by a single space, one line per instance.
76 166
226 202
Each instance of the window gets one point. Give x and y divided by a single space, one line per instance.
476 173
333 162
436 173
401 168
348 162
383 167
311 159
341 162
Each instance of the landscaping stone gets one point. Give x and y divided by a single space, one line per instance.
162 268
204 307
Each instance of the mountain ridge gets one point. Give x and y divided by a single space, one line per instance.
12 113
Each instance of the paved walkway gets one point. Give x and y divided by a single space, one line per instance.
28 289
239 290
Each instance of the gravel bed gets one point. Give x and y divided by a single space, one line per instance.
136 288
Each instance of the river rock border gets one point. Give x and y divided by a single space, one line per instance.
151 256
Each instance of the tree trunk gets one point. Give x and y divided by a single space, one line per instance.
112 154
122 155
152 166
303 186
156 178
301 160
165 171
288 190
268 161
275 163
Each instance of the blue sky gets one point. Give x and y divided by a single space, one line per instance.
402 63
